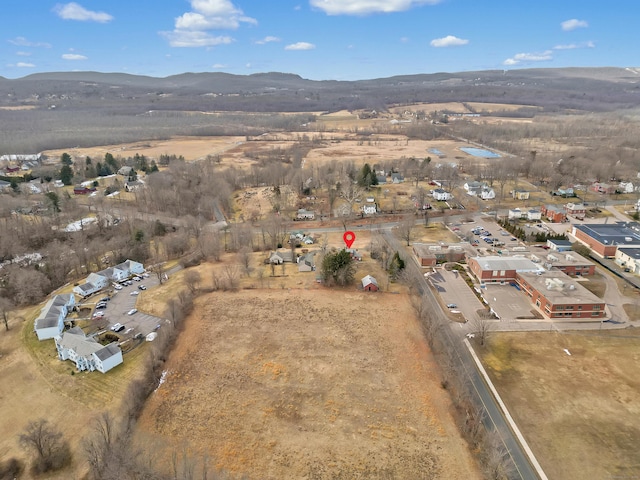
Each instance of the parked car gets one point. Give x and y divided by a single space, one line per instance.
145 275
452 305
105 299
117 286
142 287
98 314
137 279
118 327
101 305
132 311
129 330
135 292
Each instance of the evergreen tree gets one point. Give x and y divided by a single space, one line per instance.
65 159
66 175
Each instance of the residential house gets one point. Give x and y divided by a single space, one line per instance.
577 210
133 185
553 213
397 178
98 280
534 215
381 179
472 188
487 193
281 256
86 352
516 214
604 188
605 239
50 322
307 263
305 214
357 256
441 194
125 171
626 187
308 240
429 255
369 209
369 284
565 192
520 194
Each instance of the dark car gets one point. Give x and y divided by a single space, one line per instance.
101 305
141 287
105 299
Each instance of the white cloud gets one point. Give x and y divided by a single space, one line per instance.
404 39
365 7
25 65
267 39
23 42
529 57
23 54
73 56
572 46
191 27
448 41
74 11
300 46
572 24
184 38
218 65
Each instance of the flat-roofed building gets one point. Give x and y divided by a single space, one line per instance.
558 296
629 258
605 239
494 269
568 262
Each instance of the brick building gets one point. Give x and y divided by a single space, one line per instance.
553 213
502 270
605 239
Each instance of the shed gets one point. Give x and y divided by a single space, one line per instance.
369 284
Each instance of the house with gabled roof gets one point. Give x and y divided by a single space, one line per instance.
307 262
519 194
280 256
50 322
86 352
397 178
96 281
369 284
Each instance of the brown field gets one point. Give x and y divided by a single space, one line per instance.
579 413
302 383
458 107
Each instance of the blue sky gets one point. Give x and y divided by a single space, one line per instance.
317 39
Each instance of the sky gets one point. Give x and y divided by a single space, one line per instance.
316 39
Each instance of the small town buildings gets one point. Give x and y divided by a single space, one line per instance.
502 270
603 188
577 210
626 187
307 262
369 209
605 239
520 194
429 255
133 185
570 263
565 192
86 352
560 245
558 296
305 214
125 171
50 322
397 178
441 194
629 258
98 280
553 213
281 256
369 284
381 179
83 189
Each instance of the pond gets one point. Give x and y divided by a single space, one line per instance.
479 152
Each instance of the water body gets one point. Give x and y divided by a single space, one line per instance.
479 152
435 151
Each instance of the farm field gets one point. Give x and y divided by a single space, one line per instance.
578 412
308 383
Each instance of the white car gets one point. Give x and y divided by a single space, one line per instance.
98 314
135 292
132 311
117 327
117 286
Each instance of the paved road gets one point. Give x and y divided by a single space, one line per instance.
455 334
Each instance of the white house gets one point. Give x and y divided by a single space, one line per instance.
441 194
306 263
625 187
487 193
86 352
534 214
369 209
397 178
50 322
472 188
305 214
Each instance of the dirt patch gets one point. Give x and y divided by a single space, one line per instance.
578 412
309 384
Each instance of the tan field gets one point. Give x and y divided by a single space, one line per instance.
308 383
578 412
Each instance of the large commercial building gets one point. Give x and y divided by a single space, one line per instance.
605 239
502 270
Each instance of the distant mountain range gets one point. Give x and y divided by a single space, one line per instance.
592 89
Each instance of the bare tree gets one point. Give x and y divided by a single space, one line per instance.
192 280
51 449
244 257
231 275
483 325
6 306
405 227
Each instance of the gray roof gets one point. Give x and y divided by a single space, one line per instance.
620 233
559 288
519 264
76 340
631 252
108 351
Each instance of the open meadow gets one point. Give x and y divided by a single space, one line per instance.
578 412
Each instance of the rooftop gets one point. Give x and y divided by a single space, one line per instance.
519 264
620 233
631 252
559 288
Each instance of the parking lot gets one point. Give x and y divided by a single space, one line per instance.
491 239
124 301
508 302
454 291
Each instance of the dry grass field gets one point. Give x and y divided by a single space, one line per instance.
302 383
578 412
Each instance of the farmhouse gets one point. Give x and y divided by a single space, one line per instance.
520 194
502 270
605 239
369 284
86 352
50 322
441 194
557 295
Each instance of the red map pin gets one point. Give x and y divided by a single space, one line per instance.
349 238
